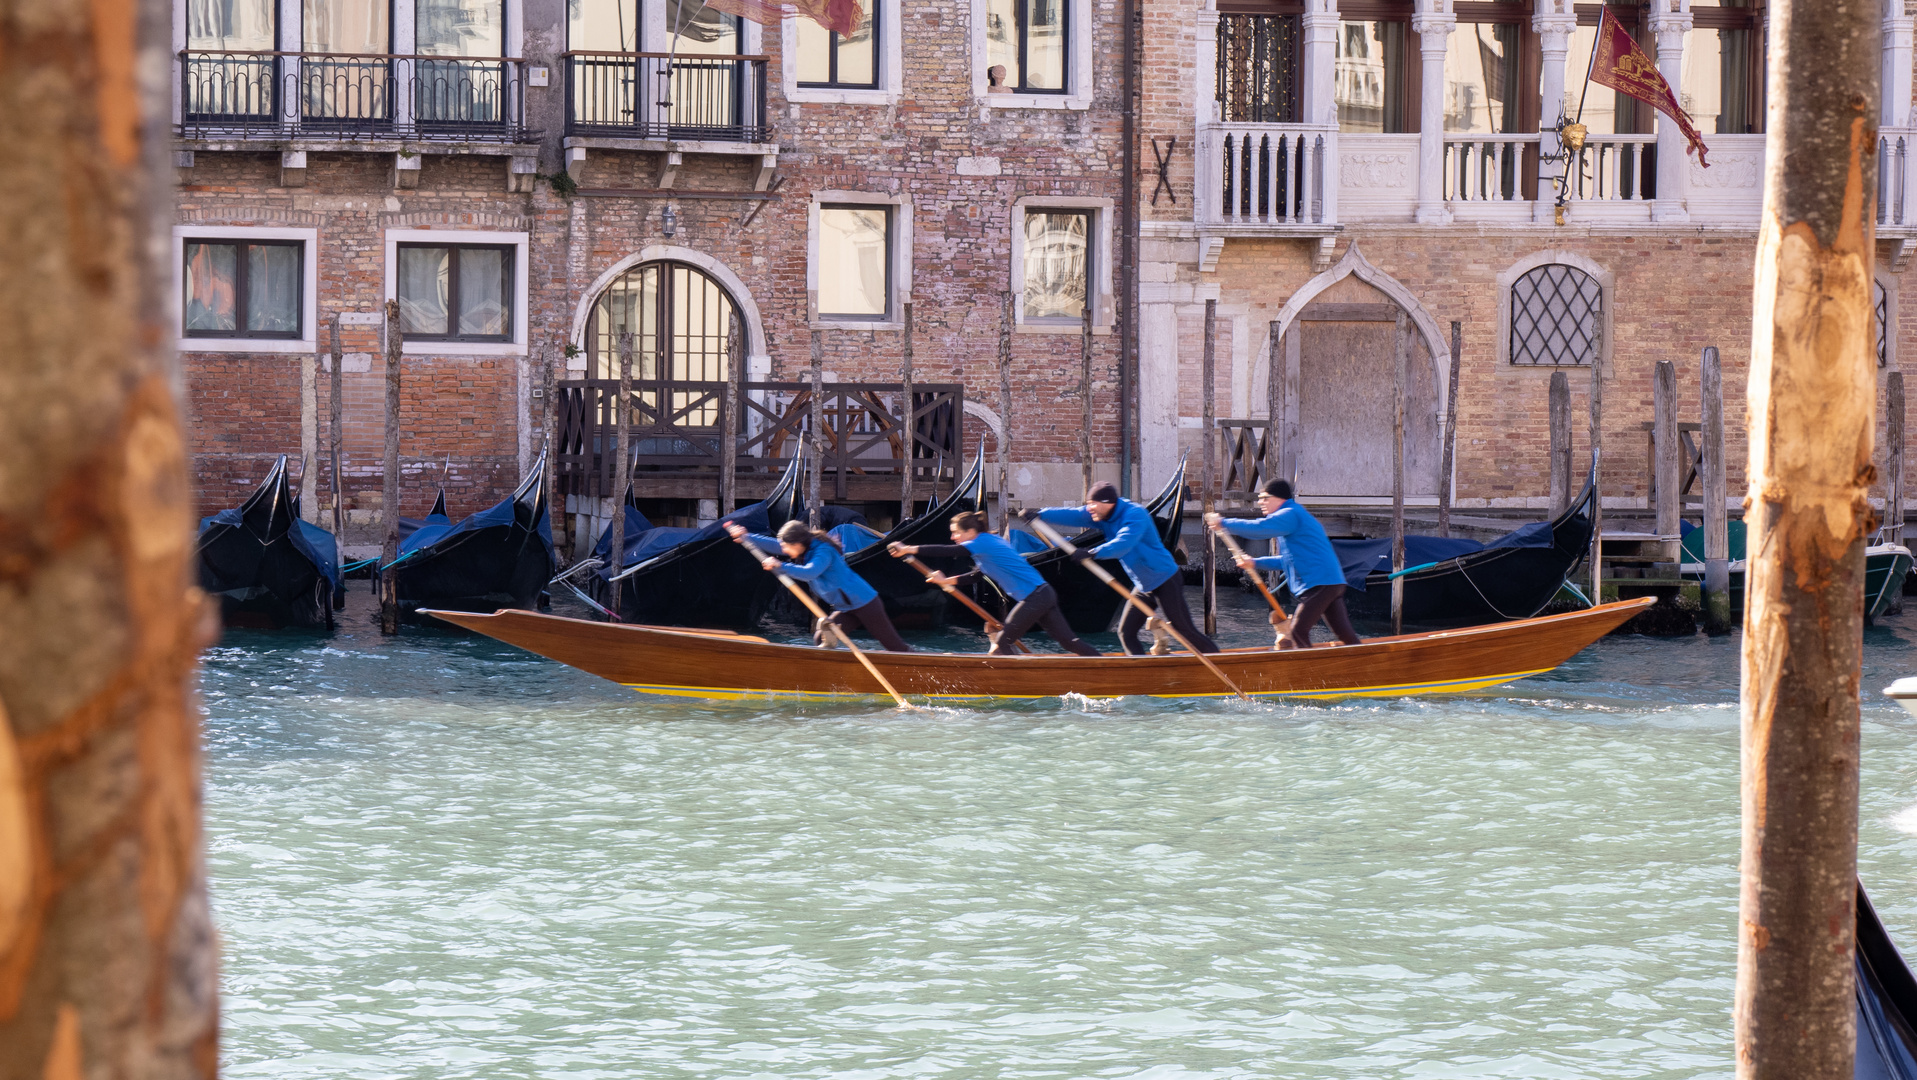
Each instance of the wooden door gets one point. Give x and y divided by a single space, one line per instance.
1340 412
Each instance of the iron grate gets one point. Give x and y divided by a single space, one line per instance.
1883 324
1554 316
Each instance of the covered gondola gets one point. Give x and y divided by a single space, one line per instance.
1886 1002
909 599
694 577
1090 606
1453 582
501 557
1886 568
269 568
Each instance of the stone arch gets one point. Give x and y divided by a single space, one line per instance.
1354 264
757 358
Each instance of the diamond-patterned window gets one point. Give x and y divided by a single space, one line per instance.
1555 315
1883 325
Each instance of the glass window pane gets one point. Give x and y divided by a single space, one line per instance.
359 27
814 49
702 30
273 288
853 249
210 296
1001 39
1480 70
423 282
858 54
239 25
602 25
460 28
484 291
1056 264
1369 70
1045 44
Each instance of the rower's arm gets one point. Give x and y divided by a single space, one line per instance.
1123 540
1076 516
945 551
1267 528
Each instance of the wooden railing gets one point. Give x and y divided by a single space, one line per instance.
677 430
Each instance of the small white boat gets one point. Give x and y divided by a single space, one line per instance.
1904 692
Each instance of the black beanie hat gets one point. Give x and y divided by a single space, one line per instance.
1104 493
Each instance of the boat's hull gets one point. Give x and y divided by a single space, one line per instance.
1483 587
285 588
484 570
1886 568
657 661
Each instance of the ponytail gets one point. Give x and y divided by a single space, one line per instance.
798 532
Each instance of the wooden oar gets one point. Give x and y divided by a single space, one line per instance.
992 626
813 606
1231 542
1133 599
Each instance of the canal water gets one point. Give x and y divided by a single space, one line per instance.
437 856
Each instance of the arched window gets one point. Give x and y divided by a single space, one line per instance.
1556 315
682 327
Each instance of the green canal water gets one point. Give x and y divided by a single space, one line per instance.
436 856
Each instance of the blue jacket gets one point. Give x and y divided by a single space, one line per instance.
1304 552
1133 540
823 567
997 560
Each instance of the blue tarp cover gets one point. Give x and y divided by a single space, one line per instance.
308 539
643 544
435 528
1026 543
853 536
1359 558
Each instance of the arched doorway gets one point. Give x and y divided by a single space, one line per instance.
683 328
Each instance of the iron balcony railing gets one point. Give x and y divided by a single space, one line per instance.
666 96
279 95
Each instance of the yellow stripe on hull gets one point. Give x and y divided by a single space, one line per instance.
1463 686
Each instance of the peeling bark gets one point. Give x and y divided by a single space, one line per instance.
1812 400
107 956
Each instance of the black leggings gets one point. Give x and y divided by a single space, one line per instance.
873 618
1041 607
1320 601
1171 604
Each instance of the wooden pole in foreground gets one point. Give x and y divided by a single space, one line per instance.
1668 461
1208 557
109 961
622 471
1812 397
389 488
908 411
1397 473
335 410
1561 492
1894 458
815 475
1717 537
1450 431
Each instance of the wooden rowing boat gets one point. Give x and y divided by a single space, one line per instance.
679 664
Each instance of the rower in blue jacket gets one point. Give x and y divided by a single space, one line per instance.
1037 601
1133 541
1305 555
816 559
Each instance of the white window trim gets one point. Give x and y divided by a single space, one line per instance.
1078 65
891 64
1103 307
901 255
516 240
309 289
1606 299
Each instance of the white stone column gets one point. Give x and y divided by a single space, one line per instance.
1673 164
1319 57
1205 112
1433 29
1554 24
1895 109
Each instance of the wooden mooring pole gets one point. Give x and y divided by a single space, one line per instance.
1669 480
1596 558
335 412
549 425
389 486
1450 455
1717 537
1085 397
622 468
1561 492
1275 433
1894 458
1208 557
1399 361
815 475
1005 410
1811 402
731 430
908 412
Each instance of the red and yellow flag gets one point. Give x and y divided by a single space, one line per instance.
842 16
1621 64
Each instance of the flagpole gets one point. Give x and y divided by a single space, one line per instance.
1604 12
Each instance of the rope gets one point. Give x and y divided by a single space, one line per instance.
1487 600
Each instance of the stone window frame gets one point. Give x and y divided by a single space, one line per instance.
521 294
1607 300
891 65
1102 253
901 259
1079 55
309 289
